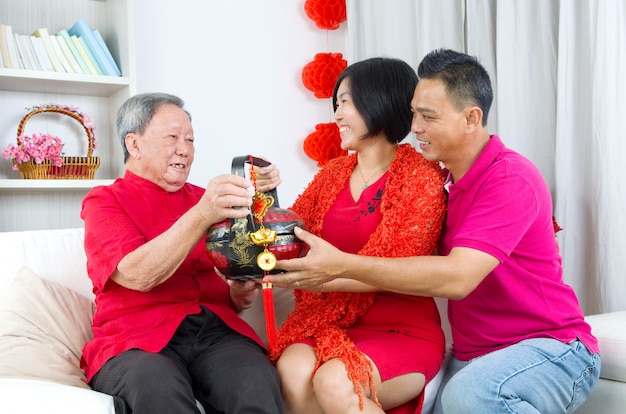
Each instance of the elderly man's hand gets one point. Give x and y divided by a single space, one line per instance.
243 292
230 196
226 196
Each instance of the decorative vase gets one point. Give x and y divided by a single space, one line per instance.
230 244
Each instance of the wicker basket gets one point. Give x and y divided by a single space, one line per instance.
73 168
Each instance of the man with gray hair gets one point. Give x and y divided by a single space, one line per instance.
166 329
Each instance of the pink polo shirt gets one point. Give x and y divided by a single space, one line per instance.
118 219
502 206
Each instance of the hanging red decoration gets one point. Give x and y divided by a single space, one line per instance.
324 144
319 75
327 14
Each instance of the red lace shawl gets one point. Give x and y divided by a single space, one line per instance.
412 208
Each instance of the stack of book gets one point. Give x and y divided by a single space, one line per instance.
79 49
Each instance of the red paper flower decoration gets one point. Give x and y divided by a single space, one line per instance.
319 76
324 144
327 14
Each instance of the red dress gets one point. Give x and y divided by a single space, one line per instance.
400 215
388 332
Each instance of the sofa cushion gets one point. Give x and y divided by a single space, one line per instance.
56 255
43 327
610 329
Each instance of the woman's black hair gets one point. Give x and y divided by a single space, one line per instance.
382 90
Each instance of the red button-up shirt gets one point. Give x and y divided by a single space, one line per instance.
118 219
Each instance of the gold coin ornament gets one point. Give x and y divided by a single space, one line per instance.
266 260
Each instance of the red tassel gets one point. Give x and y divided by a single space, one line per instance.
270 317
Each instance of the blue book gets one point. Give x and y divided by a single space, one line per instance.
82 30
90 57
107 52
66 36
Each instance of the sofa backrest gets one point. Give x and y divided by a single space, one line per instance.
56 255
59 255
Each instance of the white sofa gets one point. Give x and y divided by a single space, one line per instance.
43 325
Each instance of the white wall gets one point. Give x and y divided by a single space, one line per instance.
237 64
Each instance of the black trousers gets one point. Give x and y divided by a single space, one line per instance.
205 360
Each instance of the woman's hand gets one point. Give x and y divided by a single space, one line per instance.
323 263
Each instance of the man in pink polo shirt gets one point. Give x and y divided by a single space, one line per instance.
520 342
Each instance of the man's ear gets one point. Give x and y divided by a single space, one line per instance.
132 145
473 118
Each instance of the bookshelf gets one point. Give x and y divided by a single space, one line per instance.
41 204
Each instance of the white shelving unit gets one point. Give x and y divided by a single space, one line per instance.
21 80
42 204
51 184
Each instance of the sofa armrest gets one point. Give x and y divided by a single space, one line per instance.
28 396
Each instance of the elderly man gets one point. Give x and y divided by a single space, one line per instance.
166 329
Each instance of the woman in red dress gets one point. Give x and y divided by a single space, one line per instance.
347 346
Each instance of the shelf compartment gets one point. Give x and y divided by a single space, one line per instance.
21 80
21 184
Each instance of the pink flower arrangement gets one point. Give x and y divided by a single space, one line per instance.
41 147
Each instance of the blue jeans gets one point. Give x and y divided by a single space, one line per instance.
540 375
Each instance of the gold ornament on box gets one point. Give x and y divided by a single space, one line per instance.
261 203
